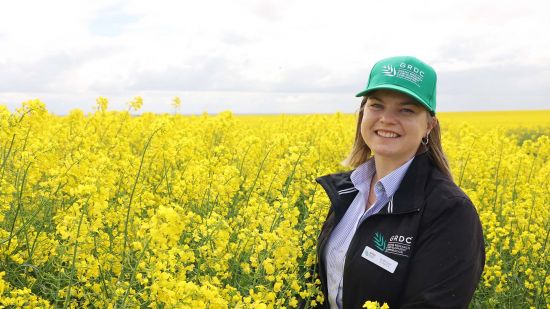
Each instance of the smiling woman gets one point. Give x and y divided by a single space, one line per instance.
399 230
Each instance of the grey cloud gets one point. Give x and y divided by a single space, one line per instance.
313 79
204 74
39 75
471 49
496 87
47 74
217 74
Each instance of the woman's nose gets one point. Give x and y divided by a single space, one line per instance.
388 117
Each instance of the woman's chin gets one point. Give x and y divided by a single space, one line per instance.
384 152
389 154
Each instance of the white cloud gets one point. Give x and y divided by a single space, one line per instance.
111 21
268 56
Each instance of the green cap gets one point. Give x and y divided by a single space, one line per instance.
405 74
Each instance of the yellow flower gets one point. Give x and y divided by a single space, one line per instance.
102 104
371 305
375 305
136 103
176 102
223 210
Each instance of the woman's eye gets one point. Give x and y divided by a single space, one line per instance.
407 111
375 105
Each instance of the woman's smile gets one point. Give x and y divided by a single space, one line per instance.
386 134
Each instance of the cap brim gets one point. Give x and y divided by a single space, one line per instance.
396 88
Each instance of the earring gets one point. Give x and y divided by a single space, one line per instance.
425 142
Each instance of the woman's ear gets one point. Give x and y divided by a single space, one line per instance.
432 121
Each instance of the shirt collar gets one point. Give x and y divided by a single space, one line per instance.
362 176
392 181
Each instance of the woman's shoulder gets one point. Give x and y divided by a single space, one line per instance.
446 203
335 179
443 193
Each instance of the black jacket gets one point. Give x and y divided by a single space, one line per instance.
432 231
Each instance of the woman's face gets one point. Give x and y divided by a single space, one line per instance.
393 125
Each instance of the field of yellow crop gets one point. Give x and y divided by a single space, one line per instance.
111 210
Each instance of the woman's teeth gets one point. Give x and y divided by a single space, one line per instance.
387 134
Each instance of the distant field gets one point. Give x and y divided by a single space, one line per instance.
509 119
529 120
107 210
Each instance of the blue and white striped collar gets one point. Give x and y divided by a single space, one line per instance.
362 176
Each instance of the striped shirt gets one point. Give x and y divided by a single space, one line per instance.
340 238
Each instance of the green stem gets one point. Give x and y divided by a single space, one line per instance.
463 167
73 262
134 273
5 159
291 176
496 178
130 204
19 206
101 273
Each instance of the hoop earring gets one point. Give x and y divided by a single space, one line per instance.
425 142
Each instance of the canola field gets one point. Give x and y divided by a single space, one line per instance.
110 210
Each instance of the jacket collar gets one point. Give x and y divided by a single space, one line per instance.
408 197
340 190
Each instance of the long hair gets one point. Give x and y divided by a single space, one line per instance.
360 152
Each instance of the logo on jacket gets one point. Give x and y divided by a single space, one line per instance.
400 245
379 242
397 244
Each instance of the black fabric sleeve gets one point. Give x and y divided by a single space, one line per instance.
448 258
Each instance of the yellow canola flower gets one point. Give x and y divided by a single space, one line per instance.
102 104
176 102
136 103
375 305
223 210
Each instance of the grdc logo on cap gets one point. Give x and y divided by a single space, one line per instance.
388 70
406 74
406 71
411 68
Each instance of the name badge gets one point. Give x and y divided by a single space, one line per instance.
379 259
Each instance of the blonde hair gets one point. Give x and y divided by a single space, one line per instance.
360 152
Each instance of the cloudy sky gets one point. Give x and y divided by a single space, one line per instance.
269 56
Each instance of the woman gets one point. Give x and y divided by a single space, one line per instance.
399 229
